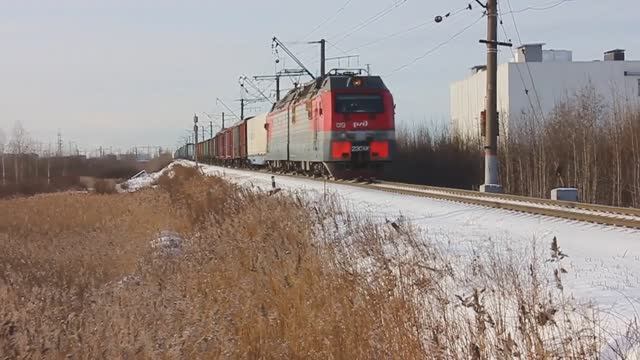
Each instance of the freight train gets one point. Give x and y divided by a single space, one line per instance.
339 125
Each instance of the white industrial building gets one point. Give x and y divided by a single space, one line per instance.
556 77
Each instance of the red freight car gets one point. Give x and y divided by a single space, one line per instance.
200 151
213 148
235 129
228 144
220 145
243 140
239 142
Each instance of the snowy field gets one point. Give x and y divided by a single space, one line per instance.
603 262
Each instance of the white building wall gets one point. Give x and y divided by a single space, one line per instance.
468 101
555 81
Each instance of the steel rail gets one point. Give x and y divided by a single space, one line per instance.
596 214
600 214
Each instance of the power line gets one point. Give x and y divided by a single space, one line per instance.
430 51
347 55
410 29
539 8
413 28
337 47
526 91
328 19
533 84
381 14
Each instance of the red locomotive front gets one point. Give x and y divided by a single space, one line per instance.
341 124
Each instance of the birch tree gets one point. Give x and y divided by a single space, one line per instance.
20 144
3 140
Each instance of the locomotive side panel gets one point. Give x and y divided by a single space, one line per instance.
277 135
302 140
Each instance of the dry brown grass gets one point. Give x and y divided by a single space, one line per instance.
105 186
258 276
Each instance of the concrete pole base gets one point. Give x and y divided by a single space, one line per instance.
491 188
565 194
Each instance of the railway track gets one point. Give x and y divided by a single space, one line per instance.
583 212
598 214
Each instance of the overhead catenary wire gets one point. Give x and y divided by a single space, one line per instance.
524 84
435 48
409 29
533 84
363 24
328 19
379 15
539 8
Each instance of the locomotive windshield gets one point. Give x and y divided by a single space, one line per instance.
350 103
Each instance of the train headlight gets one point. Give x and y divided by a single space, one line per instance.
341 149
379 149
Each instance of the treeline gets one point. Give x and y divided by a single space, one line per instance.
25 171
585 142
435 158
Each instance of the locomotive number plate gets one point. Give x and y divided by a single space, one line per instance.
359 148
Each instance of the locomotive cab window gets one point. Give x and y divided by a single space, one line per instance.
349 103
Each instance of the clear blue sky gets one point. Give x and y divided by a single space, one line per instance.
125 72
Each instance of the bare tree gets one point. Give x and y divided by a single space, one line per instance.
3 140
20 145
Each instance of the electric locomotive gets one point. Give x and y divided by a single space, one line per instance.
341 125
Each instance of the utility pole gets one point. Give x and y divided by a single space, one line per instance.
322 58
491 178
211 129
226 107
243 105
195 143
277 76
59 144
223 120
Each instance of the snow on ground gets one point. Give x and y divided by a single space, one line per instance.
517 202
144 179
603 262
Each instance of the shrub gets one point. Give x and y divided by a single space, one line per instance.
105 186
251 275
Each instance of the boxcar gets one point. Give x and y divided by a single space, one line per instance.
239 142
228 144
257 140
213 148
235 149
